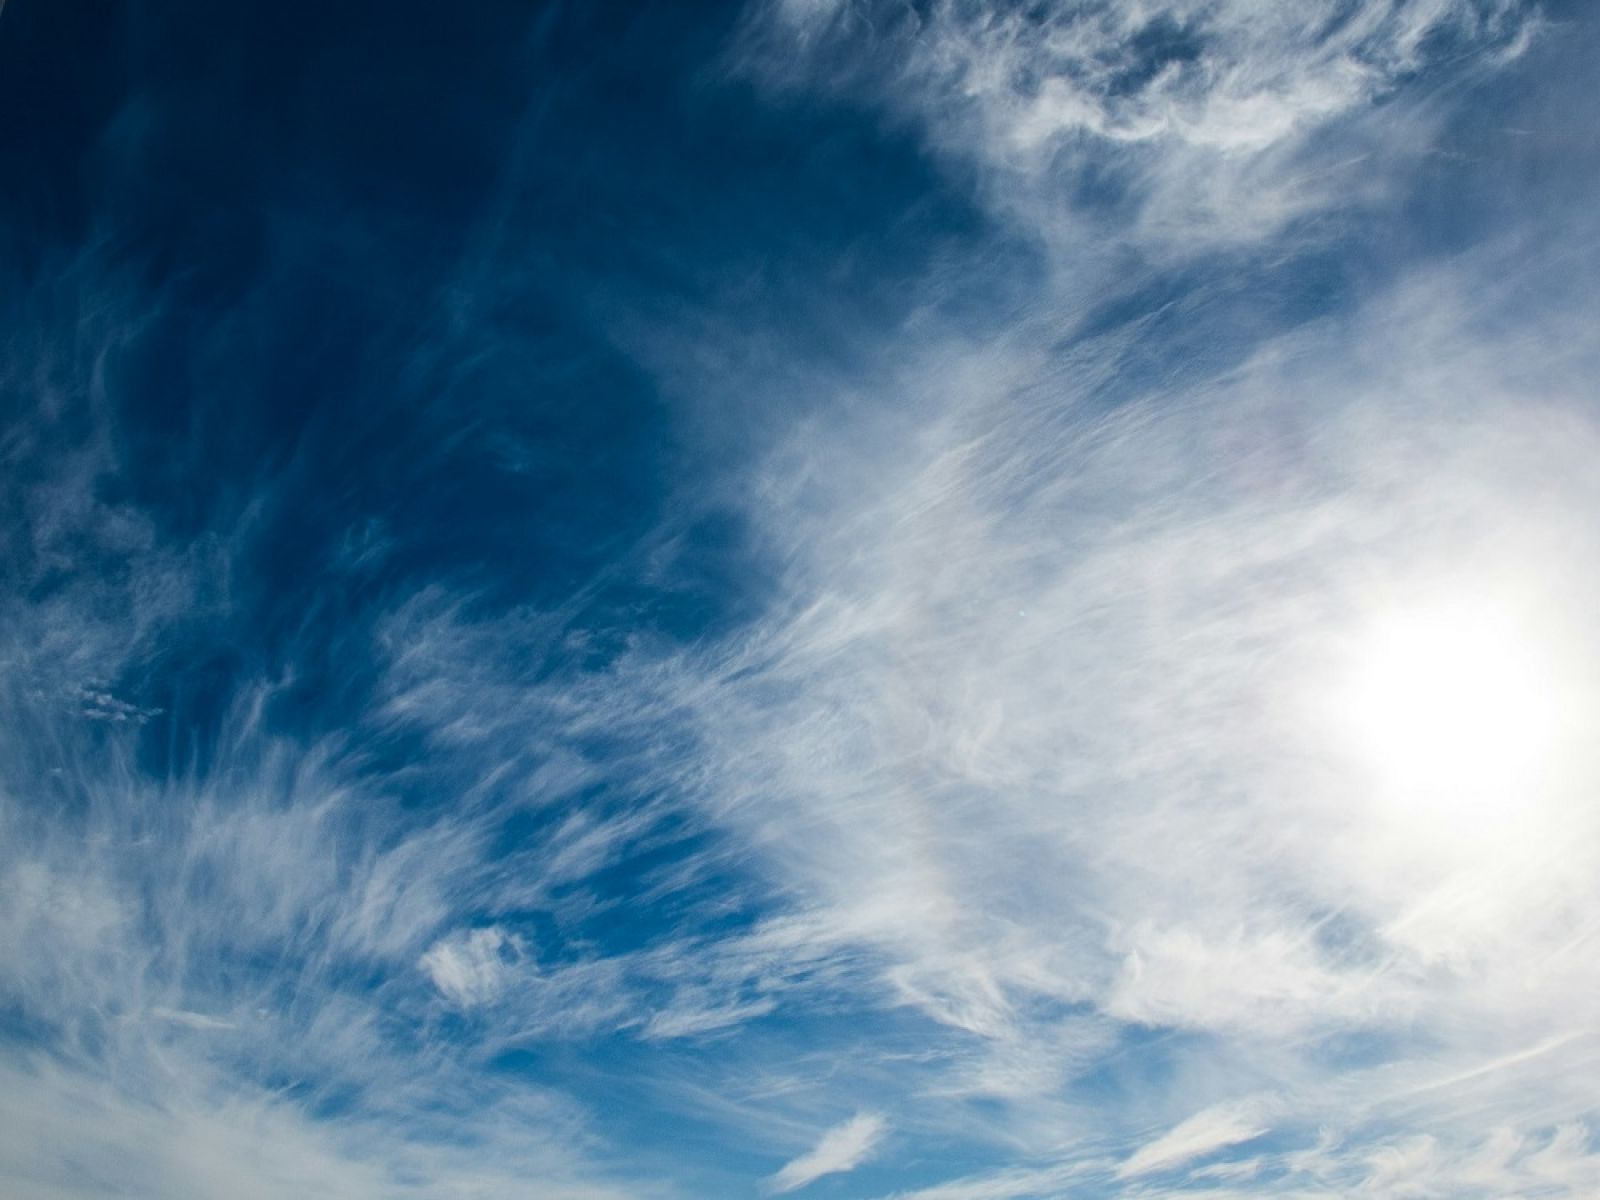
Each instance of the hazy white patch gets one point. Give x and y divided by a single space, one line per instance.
1020 1183
192 1020
808 17
67 1134
1272 981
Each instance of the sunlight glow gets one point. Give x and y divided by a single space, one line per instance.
1453 706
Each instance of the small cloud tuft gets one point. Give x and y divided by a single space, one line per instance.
842 1148
471 968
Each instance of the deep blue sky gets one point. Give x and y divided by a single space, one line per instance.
681 601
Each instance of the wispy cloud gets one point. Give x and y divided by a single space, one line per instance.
1199 124
947 743
1213 1129
842 1148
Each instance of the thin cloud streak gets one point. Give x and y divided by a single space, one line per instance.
842 1148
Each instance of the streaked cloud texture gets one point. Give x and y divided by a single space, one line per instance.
956 601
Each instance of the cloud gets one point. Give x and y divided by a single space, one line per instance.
214 914
1202 125
470 968
70 1134
1028 717
843 1148
1020 743
1010 1184
997 795
1214 1129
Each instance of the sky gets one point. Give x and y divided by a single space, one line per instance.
858 599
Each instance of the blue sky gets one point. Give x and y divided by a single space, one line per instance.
948 601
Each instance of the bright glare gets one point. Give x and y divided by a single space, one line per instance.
1453 705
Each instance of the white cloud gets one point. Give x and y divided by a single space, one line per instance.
1213 1129
1274 981
1201 114
688 1020
471 967
842 1148
1027 719
1020 741
186 1135
1013 758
